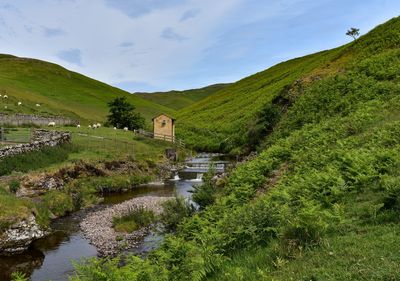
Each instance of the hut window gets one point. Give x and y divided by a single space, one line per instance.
163 123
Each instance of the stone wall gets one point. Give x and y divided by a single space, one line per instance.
40 139
21 119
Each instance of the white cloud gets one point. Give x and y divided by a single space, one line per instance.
113 46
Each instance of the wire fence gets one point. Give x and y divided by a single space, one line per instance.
113 145
173 139
103 145
10 136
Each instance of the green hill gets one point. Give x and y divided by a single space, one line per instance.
60 91
221 122
321 200
181 99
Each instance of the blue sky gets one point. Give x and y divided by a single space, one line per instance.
150 45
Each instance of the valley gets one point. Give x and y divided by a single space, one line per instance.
289 174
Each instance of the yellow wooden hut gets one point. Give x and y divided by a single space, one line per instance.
164 127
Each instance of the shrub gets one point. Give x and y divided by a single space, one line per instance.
14 185
18 276
204 194
136 219
175 211
58 202
262 125
392 193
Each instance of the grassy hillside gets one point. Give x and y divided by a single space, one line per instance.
60 91
322 199
181 99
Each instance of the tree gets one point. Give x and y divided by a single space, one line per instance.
353 32
122 114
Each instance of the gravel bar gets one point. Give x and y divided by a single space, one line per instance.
97 226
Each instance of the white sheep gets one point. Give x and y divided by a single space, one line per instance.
98 125
37 105
5 97
5 107
52 124
78 126
90 126
19 103
115 128
125 128
94 126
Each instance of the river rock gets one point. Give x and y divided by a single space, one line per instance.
20 235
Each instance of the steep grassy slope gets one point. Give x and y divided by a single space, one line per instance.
181 99
320 202
60 91
220 122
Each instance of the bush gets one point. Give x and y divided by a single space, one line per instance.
58 202
14 185
262 125
175 211
392 194
18 276
136 219
204 194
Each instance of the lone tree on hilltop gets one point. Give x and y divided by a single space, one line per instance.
122 114
353 32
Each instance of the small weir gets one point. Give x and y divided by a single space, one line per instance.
50 258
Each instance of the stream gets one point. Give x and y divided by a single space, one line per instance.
50 258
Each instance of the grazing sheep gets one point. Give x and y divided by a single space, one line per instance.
90 126
125 128
5 97
19 103
37 105
5 107
98 125
0 96
52 124
115 128
78 126
94 126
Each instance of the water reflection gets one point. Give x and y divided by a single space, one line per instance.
50 258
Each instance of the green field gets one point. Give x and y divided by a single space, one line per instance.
97 145
181 99
61 92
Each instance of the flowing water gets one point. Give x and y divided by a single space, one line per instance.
51 258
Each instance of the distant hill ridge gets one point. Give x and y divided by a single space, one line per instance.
180 99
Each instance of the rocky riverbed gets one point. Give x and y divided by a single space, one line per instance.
97 226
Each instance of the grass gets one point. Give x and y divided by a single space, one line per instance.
36 160
180 99
61 92
87 145
219 122
136 219
366 253
12 209
321 200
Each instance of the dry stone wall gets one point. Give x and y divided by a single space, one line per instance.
40 139
22 119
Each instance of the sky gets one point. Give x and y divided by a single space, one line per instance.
158 45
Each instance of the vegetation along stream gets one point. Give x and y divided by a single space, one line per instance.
51 258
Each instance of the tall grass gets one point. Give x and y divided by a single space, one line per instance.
36 159
136 219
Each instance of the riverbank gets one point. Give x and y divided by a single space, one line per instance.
97 227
